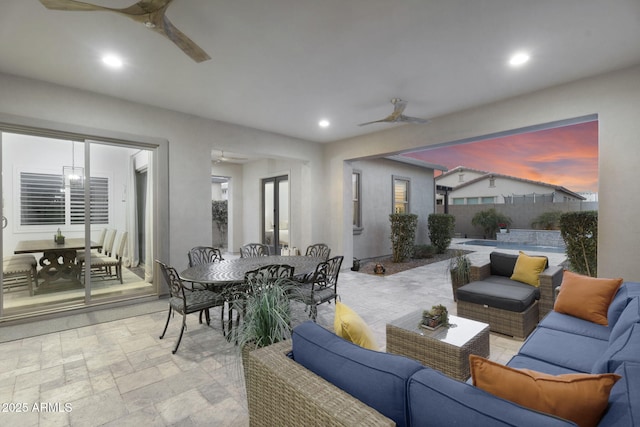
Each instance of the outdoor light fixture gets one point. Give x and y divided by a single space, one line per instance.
73 176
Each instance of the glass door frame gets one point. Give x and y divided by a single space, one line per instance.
274 247
159 159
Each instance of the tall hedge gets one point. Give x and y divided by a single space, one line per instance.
441 228
403 234
580 233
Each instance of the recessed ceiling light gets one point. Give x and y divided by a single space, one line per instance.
324 123
519 59
112 61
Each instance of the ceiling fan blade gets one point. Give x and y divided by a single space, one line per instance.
375 121
180 39
71 5
397 117
408 119
151 13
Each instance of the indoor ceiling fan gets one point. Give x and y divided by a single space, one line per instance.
151 13
222 158
397 117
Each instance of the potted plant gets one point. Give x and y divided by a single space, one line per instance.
460 270
267 314
436 317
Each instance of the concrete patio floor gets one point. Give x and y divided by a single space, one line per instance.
119 373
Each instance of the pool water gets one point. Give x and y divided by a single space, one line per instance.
514 246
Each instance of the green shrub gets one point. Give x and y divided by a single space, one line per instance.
547 221
580 233
441 228
423 251
490 221
403 234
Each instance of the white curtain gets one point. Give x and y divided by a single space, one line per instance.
149 226
131 260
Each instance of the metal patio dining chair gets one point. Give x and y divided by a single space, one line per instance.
186 301
322 287
251 250
200 255
318 250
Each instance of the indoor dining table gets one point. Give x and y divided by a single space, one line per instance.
58 262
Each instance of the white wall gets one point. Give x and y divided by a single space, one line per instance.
614 97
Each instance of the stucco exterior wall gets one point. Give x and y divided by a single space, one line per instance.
377 203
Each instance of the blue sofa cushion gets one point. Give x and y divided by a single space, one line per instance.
499 292
568 323
377 379
620 301
629 316
437 400
576 352
525 362
625 348
624 399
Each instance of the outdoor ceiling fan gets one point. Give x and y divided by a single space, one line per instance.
151 13
222 158
397 117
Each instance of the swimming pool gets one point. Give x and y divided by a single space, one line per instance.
514 246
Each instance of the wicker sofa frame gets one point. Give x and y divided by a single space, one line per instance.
280 392
516 324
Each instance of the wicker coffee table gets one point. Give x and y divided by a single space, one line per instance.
444 349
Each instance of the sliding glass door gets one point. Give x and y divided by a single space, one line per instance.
72 232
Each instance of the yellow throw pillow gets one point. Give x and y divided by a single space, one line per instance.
528 268
351 327
586 297
581 398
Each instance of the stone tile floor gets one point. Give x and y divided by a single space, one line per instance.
119 373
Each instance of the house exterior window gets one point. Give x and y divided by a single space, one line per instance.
356 191
460 177
400 195
44 200
458 200
472 200
488 200
492 182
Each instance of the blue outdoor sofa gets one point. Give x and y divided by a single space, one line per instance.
318 378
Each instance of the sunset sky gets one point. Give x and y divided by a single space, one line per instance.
566 156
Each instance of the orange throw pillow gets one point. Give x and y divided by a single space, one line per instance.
586 297
581 398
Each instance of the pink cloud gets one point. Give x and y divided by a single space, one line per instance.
566 156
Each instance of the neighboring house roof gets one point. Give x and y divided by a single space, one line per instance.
459 169
489 175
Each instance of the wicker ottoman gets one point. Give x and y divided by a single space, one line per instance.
516 324
444 349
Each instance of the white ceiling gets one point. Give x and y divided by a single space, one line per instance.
282 65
